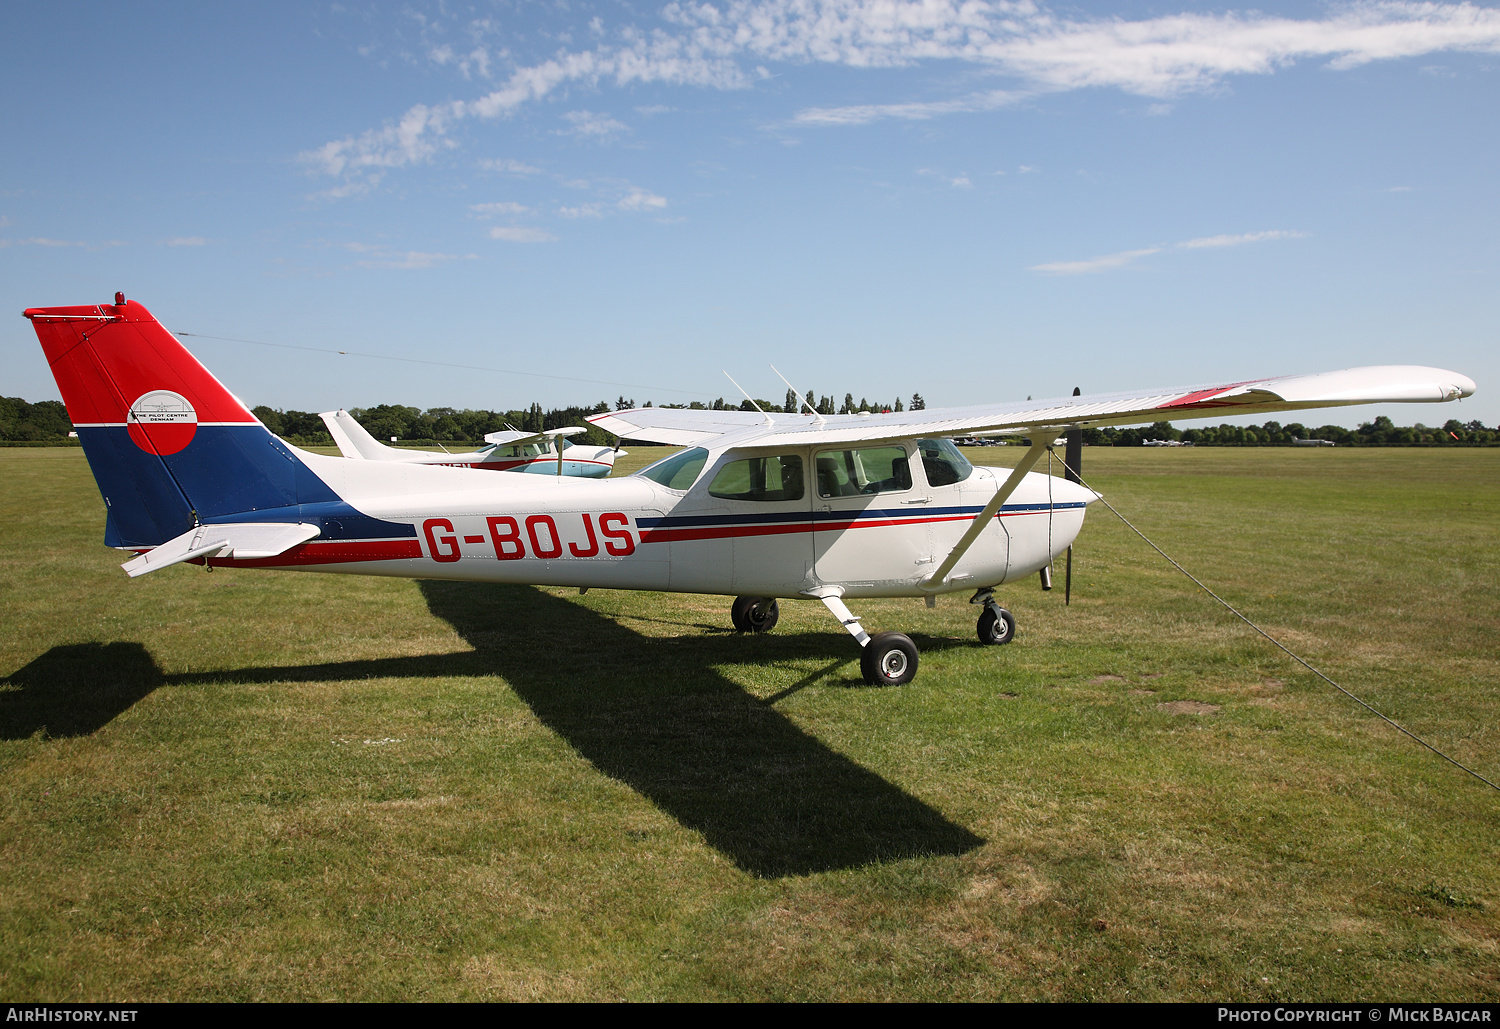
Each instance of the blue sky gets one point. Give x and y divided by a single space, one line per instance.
972 200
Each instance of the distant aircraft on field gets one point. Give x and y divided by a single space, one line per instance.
515 450
1314 442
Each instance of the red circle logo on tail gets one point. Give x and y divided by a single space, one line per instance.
162 422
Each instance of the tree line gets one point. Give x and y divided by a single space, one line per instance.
450 425
46 421
1382 432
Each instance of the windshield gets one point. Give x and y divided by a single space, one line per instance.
678 471
942 462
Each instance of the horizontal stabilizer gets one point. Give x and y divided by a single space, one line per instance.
241 540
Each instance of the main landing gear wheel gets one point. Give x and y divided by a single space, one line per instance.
889 659
754 614
996 625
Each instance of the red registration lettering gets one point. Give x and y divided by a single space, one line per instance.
508 545
618 542
442 548
554 547
588 527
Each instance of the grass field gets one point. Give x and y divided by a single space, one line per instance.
267 785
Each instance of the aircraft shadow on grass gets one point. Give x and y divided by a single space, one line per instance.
653 713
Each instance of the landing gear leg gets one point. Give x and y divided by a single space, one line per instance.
996 625
887 658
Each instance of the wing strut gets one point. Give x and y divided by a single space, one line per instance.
1039 446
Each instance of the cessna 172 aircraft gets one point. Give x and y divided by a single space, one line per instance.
515 450
760 507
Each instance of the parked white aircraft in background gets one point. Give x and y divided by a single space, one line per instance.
1314 442
756 506
515 450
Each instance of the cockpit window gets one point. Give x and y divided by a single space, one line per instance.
942 462
853 473
678 471
778 477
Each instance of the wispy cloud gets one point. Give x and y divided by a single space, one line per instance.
640 200
960 181
864 114
475 62
588 125
1240 240
380 256
508 166
728 45
185 241
1096 264
521 234
582 211
498 207
1125 257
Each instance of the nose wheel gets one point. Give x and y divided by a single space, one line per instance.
996 625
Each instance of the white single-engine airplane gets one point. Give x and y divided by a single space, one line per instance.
515 450
757 506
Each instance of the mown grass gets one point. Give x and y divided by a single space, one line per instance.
258 785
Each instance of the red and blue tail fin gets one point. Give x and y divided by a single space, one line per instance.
168 444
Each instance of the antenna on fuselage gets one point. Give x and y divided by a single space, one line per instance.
748 397
803 400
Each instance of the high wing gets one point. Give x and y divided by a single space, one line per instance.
1370 385
516 437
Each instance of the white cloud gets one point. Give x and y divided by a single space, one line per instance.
728 45
509 166
498 207
863 114
640 200
521 234
587 124
185 241
582 211
382 256
1240 240
475 62
956 181
1120 260
1095 264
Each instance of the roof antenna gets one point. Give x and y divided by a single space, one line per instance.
768 418
801 399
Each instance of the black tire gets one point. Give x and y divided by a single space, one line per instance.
994 628
754 614
889 659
